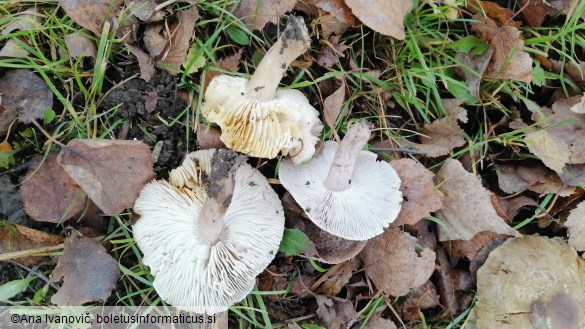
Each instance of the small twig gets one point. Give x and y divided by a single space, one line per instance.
36 273
49 137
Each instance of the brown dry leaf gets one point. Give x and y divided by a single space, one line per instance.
477 65
26 20
377 322
573 175
507 207
78 45
15 237
208 137
145 62
418 192
332 105
531 282
337 279
417 299
338 9
391 262
567 7
25 94
89 273
385 17
92 14
454 285
576 225
563 143
548 148
467 207
535 11
501 15
509 60
334 312
142 9
48 193
230 63
517 177
111 172
257 13
12 49
443 135
469 248
579 107
182 33
328 55
154 42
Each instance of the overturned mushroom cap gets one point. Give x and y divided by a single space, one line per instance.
360 212
531 282
257 118
287 124
192 271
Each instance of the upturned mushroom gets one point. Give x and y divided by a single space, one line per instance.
256 117
344 190
208 232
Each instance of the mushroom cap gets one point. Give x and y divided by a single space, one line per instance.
195 276
531 282
288 123
360 212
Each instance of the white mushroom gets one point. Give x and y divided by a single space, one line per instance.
257 118
344 190
208 233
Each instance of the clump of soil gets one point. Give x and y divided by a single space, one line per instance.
147 108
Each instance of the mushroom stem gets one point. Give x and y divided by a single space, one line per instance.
341 170
213 210
292 43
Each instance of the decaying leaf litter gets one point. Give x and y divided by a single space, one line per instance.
477 183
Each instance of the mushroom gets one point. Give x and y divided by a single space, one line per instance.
531 282
208 232
344 190
257 118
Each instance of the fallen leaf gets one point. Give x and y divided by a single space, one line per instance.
418 192
535 11
501 15
338 9
48 193
382 16
12 49
573 175
14 237
332 105
257 13
111 172
579 107
561 144
208 137
145 62
509 60
25 20
548 148
328 55
142 9
443 135
567 7
150 101
377 322
519 176
89 273
182 33
469 248
79 45
576 226
10 201
467 207
472 68
531 282
391 262
154 42
25 94
337 279
508 207
417 299
334 312
230 63
92 14
454 285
